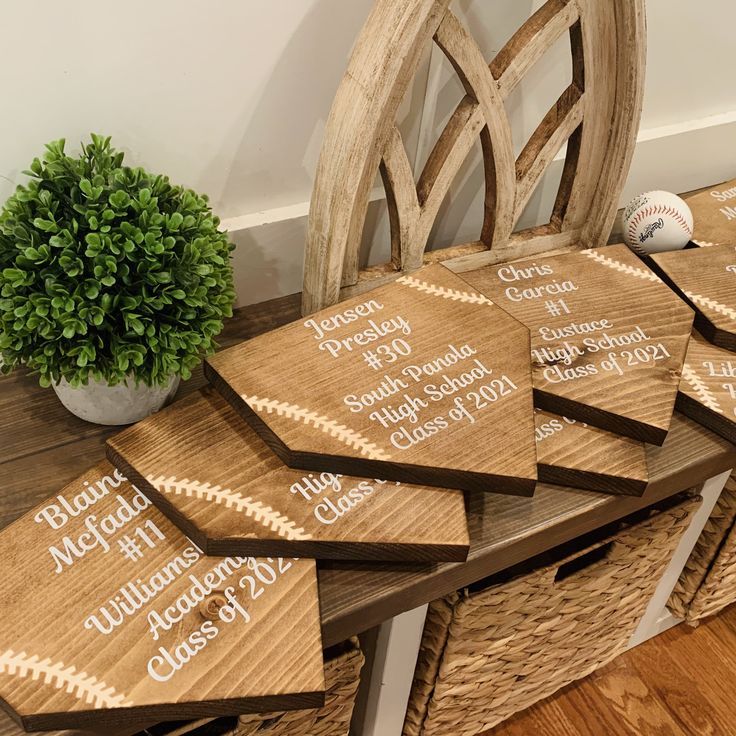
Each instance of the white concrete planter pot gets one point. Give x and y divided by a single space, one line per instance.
123 403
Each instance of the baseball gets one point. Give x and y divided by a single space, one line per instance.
657 221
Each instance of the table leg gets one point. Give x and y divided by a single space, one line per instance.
394 659
657 618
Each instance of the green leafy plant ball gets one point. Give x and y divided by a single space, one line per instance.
108 271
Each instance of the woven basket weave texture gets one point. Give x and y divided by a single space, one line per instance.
707 583
486 655
342 674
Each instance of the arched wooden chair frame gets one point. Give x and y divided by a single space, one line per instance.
597 115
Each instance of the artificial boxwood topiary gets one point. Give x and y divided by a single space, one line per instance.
108 271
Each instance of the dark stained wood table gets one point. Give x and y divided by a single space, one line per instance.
42 447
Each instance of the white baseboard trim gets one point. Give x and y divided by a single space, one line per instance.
678 157
687 126
278 214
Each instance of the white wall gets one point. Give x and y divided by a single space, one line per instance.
228 97
687 137
463 211
231 97
688 132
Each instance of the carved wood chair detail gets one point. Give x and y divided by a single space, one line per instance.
597 116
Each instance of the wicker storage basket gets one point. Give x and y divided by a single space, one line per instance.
486 655
342 674
708 582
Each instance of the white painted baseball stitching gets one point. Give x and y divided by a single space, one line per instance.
640 273
83 686
260 512
443 291
319 421
705 395
704 243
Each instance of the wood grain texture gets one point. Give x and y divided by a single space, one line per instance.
50 470
536 240
607 45
505 531
413 207
108 615
707 391
613 36
714 214
557 126
8 727
572 453
605 331
467 59
678 683
40 423
382 65
452 374
706 279
530 42
211 474
471 256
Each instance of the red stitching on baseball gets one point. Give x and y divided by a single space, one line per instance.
654 210
637 219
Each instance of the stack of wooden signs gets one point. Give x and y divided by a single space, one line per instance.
705 277
180 580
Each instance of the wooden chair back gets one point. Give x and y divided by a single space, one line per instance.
597 115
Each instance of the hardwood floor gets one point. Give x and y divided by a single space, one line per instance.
681 683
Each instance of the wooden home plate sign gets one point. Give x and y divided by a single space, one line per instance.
109 614
608 338
422 381
572 453
706 279
707 391
714 214
204 467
